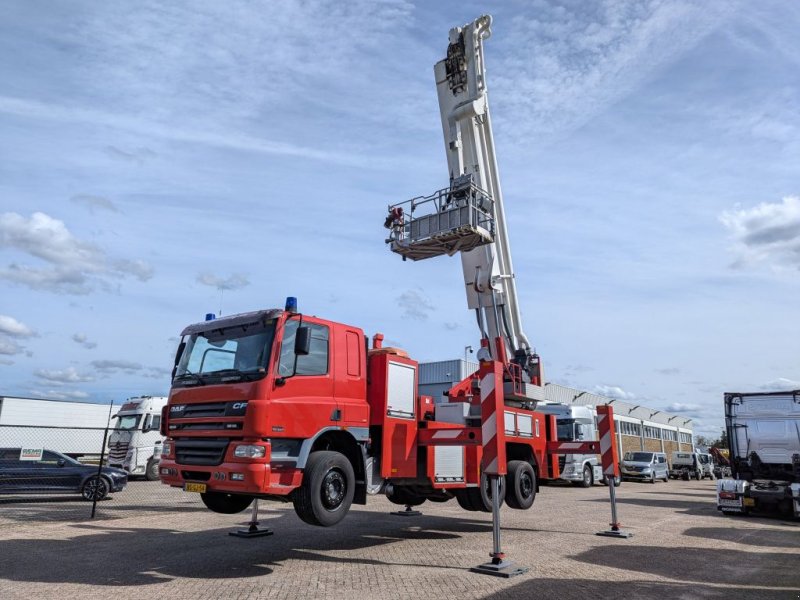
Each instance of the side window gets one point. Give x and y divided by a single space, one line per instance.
315 362
662 459
50 458
353 354
155 421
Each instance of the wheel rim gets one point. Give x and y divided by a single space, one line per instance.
525 486
334 489
587 476
94 489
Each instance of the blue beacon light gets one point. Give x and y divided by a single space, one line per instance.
210 316
291 304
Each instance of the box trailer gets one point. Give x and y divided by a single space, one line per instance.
72 428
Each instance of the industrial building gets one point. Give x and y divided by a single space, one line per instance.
638 427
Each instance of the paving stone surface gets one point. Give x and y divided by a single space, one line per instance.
153 542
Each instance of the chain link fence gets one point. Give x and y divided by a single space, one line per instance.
80 473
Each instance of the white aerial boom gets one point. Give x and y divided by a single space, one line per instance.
468 216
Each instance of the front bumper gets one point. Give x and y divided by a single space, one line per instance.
643 475
257 478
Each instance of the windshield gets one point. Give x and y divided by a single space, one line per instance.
225 355
566 430
639 456
128 422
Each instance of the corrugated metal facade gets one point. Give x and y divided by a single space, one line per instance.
437 377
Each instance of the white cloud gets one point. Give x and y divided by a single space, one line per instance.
782 384
10 347
684 408
769 232
113 366
83 340
72 266
614 391
415 305
11 327
60 394
570 62
232 282
68 375
136 155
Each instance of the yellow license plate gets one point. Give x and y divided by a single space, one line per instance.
200 488
749 501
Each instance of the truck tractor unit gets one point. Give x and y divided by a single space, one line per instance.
134 444
576 423
764 437
691 465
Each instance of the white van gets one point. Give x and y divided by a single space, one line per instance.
644 466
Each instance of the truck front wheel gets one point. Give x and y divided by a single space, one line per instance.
327 490
520 485
151 473
225 504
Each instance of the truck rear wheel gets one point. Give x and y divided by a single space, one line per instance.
225 504
327 490
404 497
520 485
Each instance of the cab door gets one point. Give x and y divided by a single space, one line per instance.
302 395
350 385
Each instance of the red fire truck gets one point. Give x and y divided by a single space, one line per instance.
280 405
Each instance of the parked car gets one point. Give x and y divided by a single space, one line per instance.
46 471
644 466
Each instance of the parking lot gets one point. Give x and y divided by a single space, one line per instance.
171 547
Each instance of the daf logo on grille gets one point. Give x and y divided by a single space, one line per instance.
178 408
239 405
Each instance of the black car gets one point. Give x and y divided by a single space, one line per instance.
52 472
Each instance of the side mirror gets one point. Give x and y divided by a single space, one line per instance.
302 341
61 462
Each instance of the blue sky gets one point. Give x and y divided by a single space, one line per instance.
162 160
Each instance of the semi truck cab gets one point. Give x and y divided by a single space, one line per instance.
134 444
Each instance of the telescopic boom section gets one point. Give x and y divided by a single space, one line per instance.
468 216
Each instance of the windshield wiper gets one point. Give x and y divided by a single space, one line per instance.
189 378
227 374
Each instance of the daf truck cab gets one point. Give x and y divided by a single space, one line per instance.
134 444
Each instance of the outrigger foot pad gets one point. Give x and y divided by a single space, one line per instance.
408 512
617 533
504 568
253 531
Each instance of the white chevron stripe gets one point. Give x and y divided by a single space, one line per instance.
489 429
487 386
447 435
492 468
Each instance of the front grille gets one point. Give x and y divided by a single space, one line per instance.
212 409
200 452
117 451
228 426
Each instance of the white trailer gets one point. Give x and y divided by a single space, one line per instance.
72 428
764 436
134 443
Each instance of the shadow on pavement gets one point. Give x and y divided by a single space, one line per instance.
702 565
628 590
143 556
772 538
689 507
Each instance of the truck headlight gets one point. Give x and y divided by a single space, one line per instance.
247 451
166 449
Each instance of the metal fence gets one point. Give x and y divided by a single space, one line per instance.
66 473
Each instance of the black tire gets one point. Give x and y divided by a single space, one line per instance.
652 477
685 477
465 500
588 477
405 497
151 472
327 490
617 481
698 476
95 488
225 504
520 485
483 494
